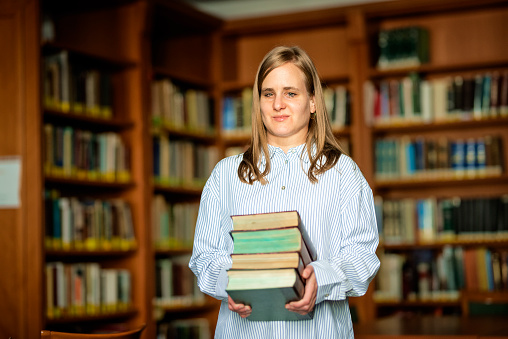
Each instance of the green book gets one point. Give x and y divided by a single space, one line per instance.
271 241
267 292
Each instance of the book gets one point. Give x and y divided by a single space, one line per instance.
268 221
288 239
267 292
269 261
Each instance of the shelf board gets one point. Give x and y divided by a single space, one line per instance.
87 183
92 318
85 122
203 136
493 240
235 86
416 183
92 58
52 253
419 127
184 190
172 252
429 68
197 307
418 303
158 72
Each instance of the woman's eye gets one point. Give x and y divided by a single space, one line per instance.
268 94
291 94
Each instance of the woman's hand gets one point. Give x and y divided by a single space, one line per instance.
307 303
243 310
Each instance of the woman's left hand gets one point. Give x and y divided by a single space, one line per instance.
307 303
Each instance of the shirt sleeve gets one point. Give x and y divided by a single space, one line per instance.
352 262
212 242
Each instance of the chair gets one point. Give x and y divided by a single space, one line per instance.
132 334
484 303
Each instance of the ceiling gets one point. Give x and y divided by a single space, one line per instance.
240 9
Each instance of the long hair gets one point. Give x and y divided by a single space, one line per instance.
320 135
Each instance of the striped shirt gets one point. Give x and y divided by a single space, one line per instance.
338 214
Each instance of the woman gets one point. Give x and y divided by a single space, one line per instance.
293 163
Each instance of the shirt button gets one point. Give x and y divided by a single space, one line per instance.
286 161
327 295
283 187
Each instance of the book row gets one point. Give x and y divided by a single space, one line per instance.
175 284
403 47
74 85
73 223
173 224
461 97
411 221
197 328
425 276
338 105
419 157
79 289
182 162
74 153
236 112
181 108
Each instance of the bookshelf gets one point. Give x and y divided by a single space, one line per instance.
93 173
420 237
182 125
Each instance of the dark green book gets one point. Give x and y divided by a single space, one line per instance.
267 292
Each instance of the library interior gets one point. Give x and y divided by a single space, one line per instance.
115 113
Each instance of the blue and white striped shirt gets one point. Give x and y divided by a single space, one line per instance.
338 214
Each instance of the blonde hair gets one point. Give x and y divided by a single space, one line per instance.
319 134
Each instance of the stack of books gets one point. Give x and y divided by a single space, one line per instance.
270 253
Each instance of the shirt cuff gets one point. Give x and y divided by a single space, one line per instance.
222 283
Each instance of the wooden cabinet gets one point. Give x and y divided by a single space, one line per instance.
447 181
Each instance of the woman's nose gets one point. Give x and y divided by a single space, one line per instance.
278 103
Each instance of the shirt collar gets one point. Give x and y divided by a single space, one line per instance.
300 150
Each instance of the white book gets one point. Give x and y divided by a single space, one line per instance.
66 222
427 95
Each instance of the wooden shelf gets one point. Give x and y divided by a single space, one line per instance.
172 252
87 254
489 240
88 183
195 135
418 303
445 181
86 122
92 318
436 69
181 77
422 127
92 58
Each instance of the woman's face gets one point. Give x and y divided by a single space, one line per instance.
286 106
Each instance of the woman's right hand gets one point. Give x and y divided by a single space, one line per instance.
243 310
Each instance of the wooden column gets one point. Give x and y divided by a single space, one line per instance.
21 227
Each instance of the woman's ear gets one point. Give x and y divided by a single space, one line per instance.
312 104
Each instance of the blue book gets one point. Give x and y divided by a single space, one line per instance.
457 155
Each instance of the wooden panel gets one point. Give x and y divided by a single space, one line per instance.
186 57
466 37
326 46
20 287
75 30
